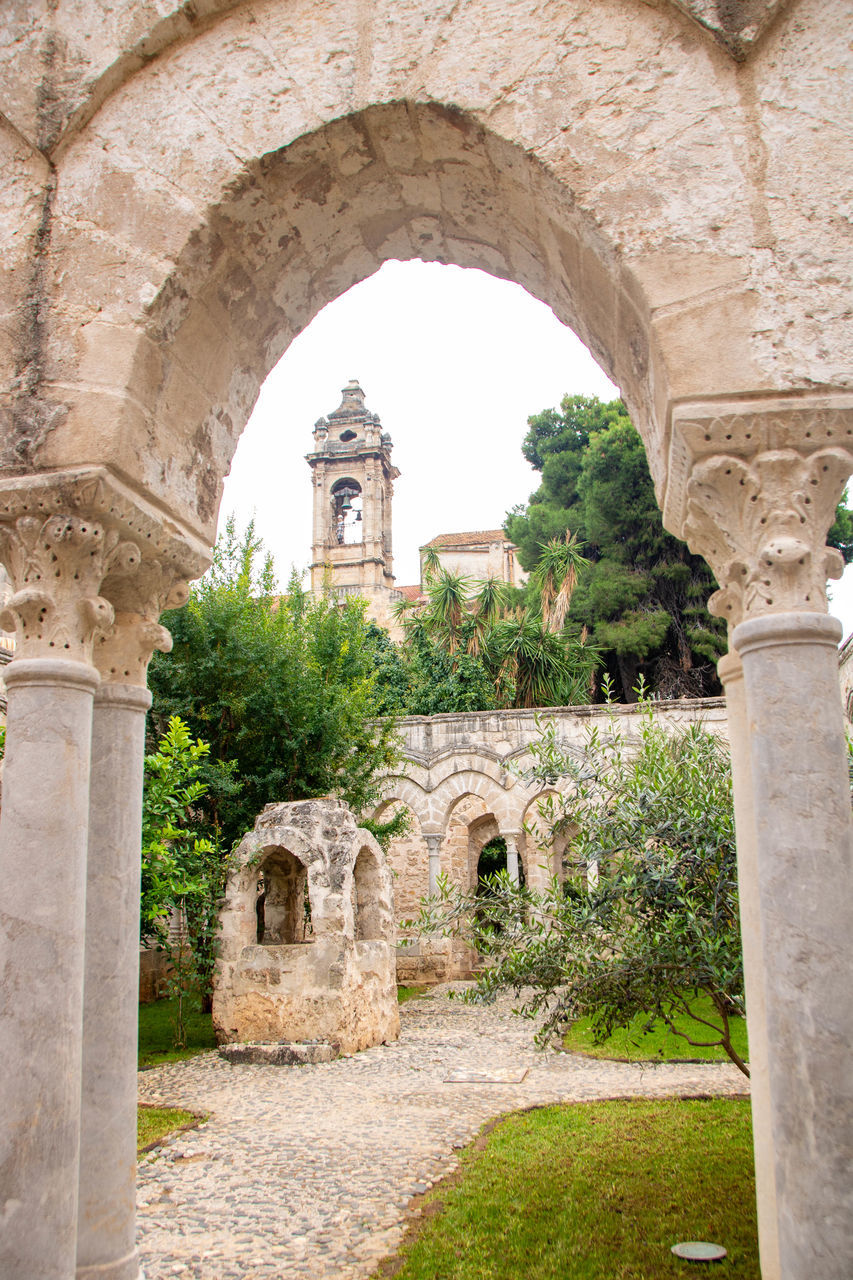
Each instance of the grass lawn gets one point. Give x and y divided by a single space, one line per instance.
659 1043
157 1032
155 1122
409 993
598 1191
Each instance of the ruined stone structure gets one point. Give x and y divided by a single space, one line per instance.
185 186
353 484
461 784
307 933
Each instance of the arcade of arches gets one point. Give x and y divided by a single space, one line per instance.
186 185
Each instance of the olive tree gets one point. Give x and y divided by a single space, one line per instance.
644 919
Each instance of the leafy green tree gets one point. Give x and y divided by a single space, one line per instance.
439 682
183 872
547 668
646 919
641 594
555 577
282 684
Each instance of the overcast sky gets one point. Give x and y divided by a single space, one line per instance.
453 361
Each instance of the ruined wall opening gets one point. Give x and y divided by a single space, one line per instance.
282 907
492 859
366 889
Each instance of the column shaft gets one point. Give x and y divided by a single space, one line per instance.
803 866
755 975
43 842
434 850
512 857
106 1246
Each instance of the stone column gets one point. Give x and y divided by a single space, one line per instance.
433 843
106 1224
56 564
730 669
805 888
762 483
511 839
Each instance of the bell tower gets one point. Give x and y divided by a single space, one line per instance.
353 481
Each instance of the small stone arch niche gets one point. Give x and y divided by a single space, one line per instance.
307 933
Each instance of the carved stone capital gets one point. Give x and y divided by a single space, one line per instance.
755 492
88 558
57 566
122 654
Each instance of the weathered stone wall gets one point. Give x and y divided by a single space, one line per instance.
451 757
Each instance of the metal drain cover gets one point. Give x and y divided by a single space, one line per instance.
699 1251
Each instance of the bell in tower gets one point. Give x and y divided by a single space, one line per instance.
353 479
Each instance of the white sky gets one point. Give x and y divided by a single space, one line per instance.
453 361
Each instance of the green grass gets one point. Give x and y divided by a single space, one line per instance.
409 993
658 1043
593 1192
157 1032
153 1123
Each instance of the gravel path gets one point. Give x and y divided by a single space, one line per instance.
307 1171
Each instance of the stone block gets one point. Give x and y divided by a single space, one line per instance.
283 1053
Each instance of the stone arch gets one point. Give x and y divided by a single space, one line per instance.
240 234
403 790
470 821
473 782
543 852
481 831
133 39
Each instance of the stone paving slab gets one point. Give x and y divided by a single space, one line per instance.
307 1171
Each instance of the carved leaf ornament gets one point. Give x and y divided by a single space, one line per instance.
57 566
762 525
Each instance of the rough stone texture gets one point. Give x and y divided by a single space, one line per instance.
295 1054
220 177
331 978
294 1174
430 961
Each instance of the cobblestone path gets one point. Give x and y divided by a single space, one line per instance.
306 1172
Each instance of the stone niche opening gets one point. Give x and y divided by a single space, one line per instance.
283 905
307 933
367 896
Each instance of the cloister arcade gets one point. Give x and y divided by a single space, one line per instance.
186 185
